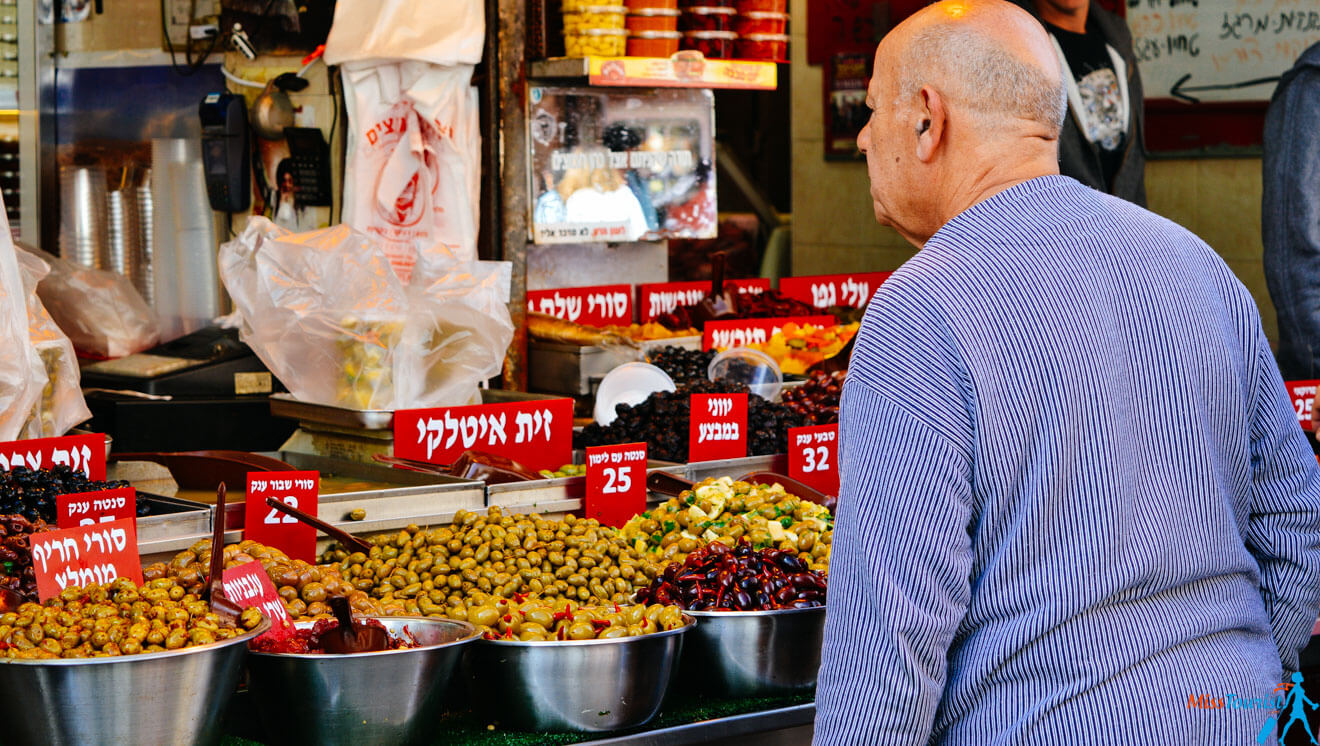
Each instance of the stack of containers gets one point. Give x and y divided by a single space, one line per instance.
653 28
592 30
762 30
707 27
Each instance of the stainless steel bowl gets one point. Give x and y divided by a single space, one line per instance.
574 685
390 697
754 653
166 698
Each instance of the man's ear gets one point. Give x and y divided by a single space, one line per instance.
930 127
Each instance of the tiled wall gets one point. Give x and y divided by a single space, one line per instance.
834 230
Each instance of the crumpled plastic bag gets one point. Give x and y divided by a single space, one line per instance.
61 404
101 311
452 32
330 318
21 373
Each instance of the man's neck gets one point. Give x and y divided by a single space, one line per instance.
1074 21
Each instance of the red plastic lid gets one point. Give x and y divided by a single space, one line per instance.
653 12
657 35
764 37
764 15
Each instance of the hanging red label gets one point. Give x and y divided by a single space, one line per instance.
717 427
1302 394
102 506
249 586
266 525
813 456
721 335
662 297
537 434
616 483
823 291
84 453
76 557
599 305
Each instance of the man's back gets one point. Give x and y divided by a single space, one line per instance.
1077 390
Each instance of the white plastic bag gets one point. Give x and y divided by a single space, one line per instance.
61 404
451 32
21 373
103 314
413 172
329 317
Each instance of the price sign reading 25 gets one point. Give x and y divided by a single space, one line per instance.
813 456
264 524
1302 394
616 483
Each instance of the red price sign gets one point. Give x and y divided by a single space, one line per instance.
616 483
1302 394
84 453
74 557
824 291
266 525
721 335
813 456
717 428
103 506
663 297
600 305
249 586
537 434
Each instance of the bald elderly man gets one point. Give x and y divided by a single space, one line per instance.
1076 506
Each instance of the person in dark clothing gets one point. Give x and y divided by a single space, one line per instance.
1101 144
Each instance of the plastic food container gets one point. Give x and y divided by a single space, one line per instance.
594 16
760 22
761 6
636 5
653 19
765 47
754 368
596 42
629 383
653 43
713 45
707 18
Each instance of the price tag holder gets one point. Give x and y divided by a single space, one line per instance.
249 586
599 305
823 291
74 557
616 483
102 506
537 434
657 298
813 456
266 525
721 335
1302 394
717 427
84 453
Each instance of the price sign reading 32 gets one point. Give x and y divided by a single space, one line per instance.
813 456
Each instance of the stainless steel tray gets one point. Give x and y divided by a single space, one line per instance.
561 495
573 370
736 467
287 406
172 516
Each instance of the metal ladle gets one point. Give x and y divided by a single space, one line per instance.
272 110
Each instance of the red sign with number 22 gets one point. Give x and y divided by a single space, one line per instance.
266 525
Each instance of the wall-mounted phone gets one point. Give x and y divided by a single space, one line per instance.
225 151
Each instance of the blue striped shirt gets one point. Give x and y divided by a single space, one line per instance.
1074 492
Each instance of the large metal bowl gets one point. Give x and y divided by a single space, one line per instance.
389 697
575 685
754 653
165 698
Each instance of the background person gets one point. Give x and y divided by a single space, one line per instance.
1073 490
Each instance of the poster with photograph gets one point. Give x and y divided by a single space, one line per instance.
621 166
847 76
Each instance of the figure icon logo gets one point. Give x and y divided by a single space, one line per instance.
1295 703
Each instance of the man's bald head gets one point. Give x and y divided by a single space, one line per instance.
988 57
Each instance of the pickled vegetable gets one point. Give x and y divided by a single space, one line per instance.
718 578
542 620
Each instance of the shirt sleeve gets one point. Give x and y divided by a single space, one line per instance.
1284 527
899 569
